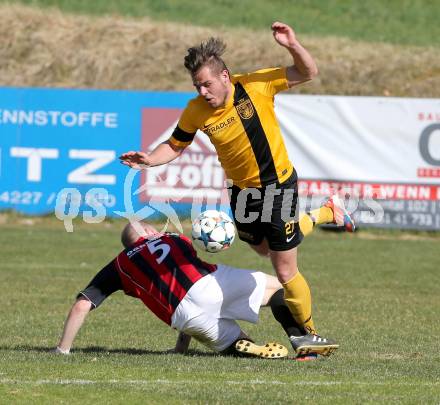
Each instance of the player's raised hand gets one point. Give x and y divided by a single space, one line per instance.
283 34
136 160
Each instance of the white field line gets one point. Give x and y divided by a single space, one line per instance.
11 381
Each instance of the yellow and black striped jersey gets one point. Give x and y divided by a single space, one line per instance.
245 132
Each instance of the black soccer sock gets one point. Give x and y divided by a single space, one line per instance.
283 315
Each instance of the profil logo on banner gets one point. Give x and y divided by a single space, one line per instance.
196 172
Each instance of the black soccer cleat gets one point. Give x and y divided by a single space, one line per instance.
268 351
311 343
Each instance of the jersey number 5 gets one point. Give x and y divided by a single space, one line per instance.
156 245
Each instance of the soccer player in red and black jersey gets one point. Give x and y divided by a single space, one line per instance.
199 299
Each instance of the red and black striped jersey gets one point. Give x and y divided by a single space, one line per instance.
160 271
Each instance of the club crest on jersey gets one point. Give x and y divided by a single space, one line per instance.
245 108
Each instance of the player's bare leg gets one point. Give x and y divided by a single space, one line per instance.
262 249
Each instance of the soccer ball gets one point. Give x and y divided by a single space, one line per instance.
213 231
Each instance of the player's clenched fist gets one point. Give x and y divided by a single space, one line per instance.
283 34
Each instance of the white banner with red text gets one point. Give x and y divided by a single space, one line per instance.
383 154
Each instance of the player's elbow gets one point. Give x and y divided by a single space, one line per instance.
312 72
295 75
315 71
82 306
178 150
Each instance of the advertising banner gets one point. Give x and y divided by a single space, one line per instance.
384 153
59 152
62 146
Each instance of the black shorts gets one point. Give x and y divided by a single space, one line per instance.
269 212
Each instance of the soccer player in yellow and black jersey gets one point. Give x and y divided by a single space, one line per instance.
244 131
237 114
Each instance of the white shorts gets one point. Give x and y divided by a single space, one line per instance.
212 305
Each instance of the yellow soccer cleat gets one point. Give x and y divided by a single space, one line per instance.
270 350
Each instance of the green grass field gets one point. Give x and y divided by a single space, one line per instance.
376 292
409 22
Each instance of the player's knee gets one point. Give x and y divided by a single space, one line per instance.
272 283
285 272
285 264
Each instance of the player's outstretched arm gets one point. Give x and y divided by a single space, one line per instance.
163 153
304 67
74 321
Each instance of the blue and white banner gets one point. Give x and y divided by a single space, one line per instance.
55 139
